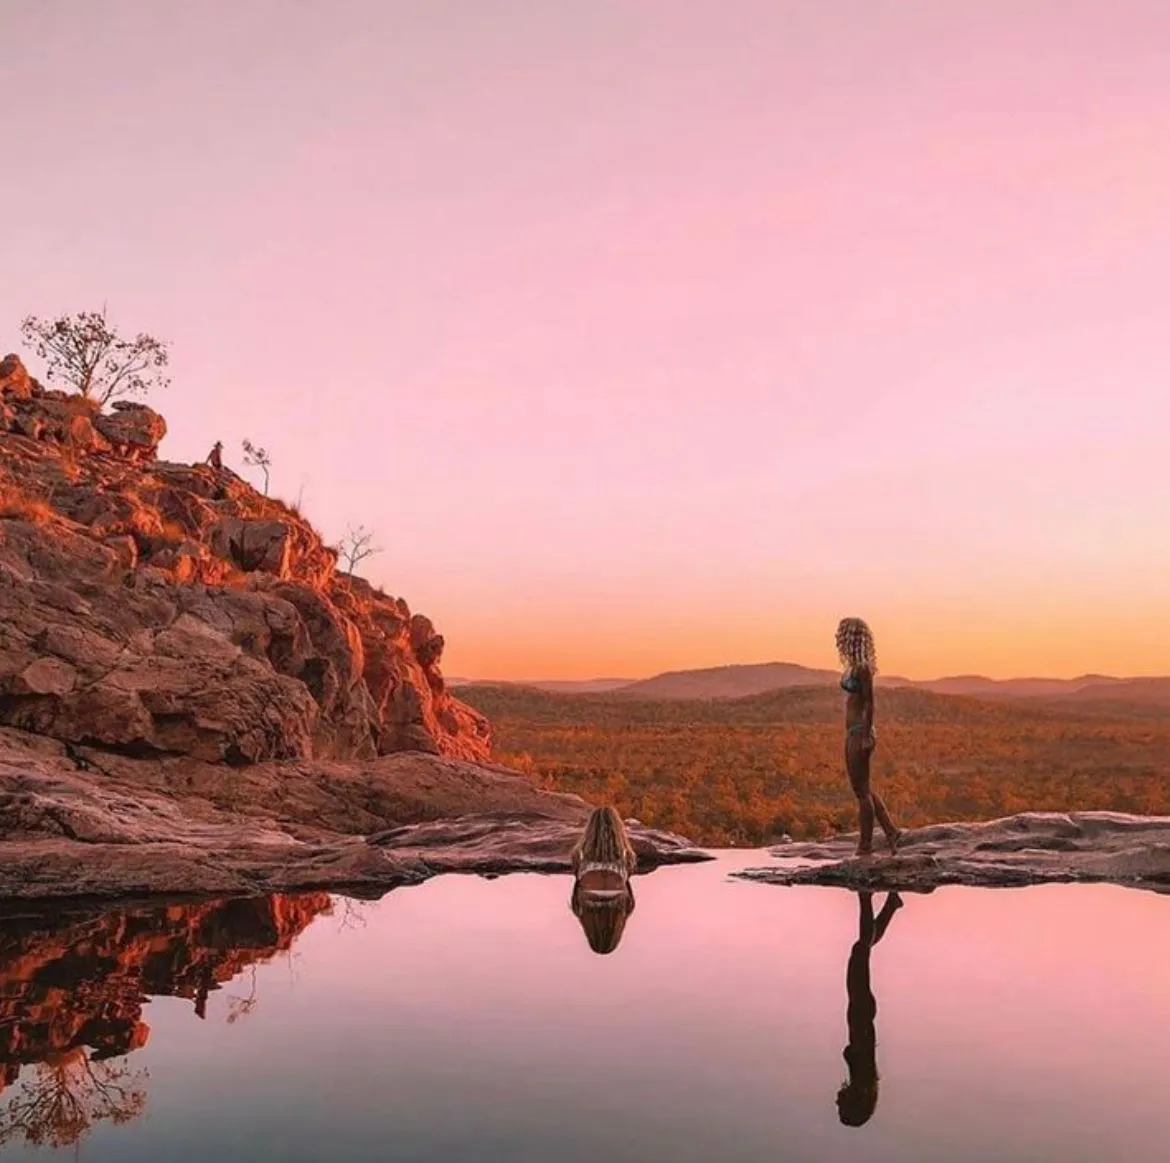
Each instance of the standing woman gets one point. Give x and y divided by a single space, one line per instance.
858 657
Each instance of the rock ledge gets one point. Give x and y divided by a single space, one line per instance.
1026 849
79 822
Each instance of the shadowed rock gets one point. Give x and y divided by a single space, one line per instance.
79 822
1030 848
132 427
495 843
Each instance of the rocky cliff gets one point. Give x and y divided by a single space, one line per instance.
194 699
159 609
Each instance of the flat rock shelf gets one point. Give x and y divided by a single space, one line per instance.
80 822
1025 849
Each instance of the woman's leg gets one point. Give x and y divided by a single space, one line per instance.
865 922
888 826
892 904
857 765
866 814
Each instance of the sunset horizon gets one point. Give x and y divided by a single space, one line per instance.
585 580
643 351
920 656
923 678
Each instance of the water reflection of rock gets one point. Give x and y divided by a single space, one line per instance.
72 988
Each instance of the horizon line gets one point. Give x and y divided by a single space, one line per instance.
969 675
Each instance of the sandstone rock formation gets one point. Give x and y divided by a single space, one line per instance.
158 608
1030 848
194 699
82 821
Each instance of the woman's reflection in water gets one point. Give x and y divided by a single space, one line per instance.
857 1098
602 898
603 919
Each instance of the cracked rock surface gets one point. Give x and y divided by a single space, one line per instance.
80 822
1029 848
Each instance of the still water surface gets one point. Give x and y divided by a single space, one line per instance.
469 1019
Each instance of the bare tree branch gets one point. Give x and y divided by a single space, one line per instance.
87 353
241 1007
356 546
258 458
61 1099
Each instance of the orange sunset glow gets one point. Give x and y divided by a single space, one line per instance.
650 336
585 580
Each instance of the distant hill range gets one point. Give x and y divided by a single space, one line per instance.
736 682
729 682
567 686
1087 688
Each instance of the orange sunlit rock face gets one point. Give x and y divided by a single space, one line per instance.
223 606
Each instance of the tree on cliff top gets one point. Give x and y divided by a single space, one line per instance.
356 546
256 457
88 354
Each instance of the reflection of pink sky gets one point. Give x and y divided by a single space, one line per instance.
648 335
1032 1019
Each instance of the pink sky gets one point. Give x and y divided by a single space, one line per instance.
647 334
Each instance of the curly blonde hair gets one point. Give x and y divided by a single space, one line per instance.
855 644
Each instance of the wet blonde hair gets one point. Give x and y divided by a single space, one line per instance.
603 923
605 841
855 644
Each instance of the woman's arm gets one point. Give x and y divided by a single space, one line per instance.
866 676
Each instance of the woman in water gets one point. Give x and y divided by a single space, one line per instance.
602 898
858 657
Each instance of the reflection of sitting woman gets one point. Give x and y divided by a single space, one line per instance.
603 919
857 1098
602 863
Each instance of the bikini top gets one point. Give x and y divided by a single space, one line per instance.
602 898
615 867
851 683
